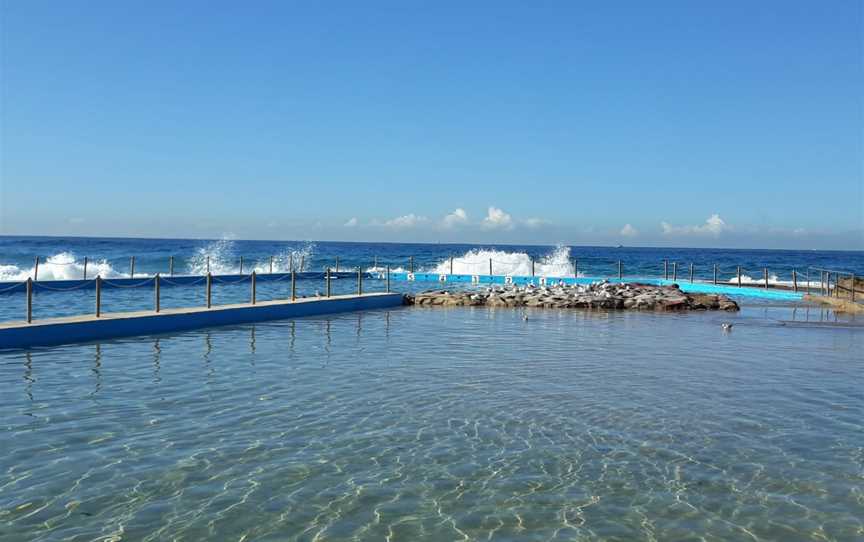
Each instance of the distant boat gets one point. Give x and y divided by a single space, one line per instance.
620 246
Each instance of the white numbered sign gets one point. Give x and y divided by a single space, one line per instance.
442 278
508 280
475 278
410 276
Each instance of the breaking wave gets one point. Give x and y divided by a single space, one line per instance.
476 262
221 258
61 266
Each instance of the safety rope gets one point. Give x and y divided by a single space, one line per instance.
229 282
142 283
173 283
17 284
44 286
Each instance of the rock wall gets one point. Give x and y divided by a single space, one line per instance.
601 295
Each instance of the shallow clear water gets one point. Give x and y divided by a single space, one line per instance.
444 424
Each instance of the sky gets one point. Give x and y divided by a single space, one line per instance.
716 124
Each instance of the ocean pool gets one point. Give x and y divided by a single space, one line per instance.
444 424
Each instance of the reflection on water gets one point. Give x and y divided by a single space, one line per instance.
97 364
444 424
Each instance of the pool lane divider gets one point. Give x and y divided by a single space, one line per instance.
689 287
87 328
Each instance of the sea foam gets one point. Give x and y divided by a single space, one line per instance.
60 266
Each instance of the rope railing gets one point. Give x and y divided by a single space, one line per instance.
43 286
31 285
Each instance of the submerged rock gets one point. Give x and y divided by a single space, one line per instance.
599 295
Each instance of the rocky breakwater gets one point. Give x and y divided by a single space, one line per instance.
600 295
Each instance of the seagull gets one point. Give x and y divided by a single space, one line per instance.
727 327
524 316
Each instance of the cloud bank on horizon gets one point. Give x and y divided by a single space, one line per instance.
499 225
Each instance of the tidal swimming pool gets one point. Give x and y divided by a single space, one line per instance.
443 424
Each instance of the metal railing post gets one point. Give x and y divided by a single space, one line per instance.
302 262
621 270
291 262
337 264
327 275
208 265
691 272
170 266
254 287
794 281
765 272
388 278
293 285
490 267
411 263
241 265
674 271
209 288
29 300
665 269
85 267
271 265
852 286
575 268
739 276
532 266
451 265
156 299
807 278
36 269
98 296
360 280
132 267
715 274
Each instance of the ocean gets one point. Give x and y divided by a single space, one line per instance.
63 258
416 423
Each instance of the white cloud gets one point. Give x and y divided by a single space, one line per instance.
535 222
497 219
714 225
456 218
405 221
629 231
352 222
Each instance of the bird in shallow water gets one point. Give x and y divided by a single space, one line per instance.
727 327
524 316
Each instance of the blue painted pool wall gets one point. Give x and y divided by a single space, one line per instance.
109 328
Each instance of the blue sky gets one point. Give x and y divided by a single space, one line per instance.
641 123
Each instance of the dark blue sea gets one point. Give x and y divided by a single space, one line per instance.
63 258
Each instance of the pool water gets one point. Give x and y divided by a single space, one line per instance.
444 424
